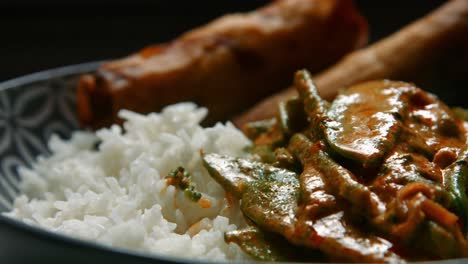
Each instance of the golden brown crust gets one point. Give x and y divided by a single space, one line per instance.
416 53
226 65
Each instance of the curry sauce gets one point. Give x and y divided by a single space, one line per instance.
377 175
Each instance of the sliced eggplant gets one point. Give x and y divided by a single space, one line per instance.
234 173
364 121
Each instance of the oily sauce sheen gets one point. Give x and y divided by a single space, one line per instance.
377 175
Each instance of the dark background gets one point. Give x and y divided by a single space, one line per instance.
38 35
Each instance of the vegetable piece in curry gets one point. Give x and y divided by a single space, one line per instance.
377 175
181 179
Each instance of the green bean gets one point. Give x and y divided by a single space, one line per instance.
339 180
291 116
455 182
314 105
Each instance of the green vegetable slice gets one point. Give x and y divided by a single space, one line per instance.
272 206
339 181
314 105
291 116
233 173
365 120
269 247
455 182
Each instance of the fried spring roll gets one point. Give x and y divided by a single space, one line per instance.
427 52
227 65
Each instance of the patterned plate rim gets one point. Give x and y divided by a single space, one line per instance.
48 74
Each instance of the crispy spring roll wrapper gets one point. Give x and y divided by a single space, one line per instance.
430 51
227 65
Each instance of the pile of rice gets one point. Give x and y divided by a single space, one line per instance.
116 193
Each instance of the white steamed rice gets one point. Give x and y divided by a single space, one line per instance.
118 195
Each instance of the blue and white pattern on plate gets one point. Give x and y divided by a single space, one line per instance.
32 108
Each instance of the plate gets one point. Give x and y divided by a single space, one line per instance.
32 108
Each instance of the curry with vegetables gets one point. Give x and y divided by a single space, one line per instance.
377 175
